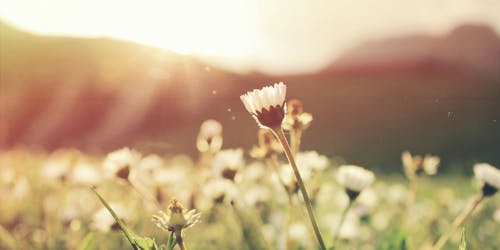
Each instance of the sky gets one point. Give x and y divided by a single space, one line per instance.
272 36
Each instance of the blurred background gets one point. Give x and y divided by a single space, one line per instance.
379 77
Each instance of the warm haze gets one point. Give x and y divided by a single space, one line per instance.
277 37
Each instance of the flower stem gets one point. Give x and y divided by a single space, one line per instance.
273 162
295 140
457 222
145 195
342 219
179 240
278 132
410 204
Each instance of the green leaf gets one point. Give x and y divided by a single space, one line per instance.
171 242
463 243
118 220
87 242
145 243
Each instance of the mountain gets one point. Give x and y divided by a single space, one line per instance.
99 94
469 49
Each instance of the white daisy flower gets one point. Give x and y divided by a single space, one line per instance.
431 164
490 176
227 163
85 174
312 161
103 221
220 190
120 162
256 194
210 136
210 128
266 105
150 163
354 179
56 169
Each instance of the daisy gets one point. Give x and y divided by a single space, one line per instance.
490 176
176 220
227 163
266 105
354 179
210 137
120 162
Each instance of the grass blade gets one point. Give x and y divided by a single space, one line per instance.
118 220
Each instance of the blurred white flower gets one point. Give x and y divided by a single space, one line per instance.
220 190
366 201
210 128
119 163
397 194
171 176
85 174
256 194
431 164
489 175
227 163
210 137
150 163
414 165
255 172
312 161
298 235
56 169
103 221
266 105
354 178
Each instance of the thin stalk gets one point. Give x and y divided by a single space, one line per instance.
180 240
342 219
295 140
278 132
273 162
412 198
145 195
457 222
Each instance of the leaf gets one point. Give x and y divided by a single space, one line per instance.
171 242
87 242
145 243
118 220
463 243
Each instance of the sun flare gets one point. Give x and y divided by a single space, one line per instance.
189 27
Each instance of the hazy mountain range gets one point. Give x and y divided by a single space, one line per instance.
423 93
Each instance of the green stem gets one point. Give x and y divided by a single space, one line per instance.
457 222
342 219
278 132
117 219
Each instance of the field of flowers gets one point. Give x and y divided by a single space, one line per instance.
272 196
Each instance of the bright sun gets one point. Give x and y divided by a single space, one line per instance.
218 28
